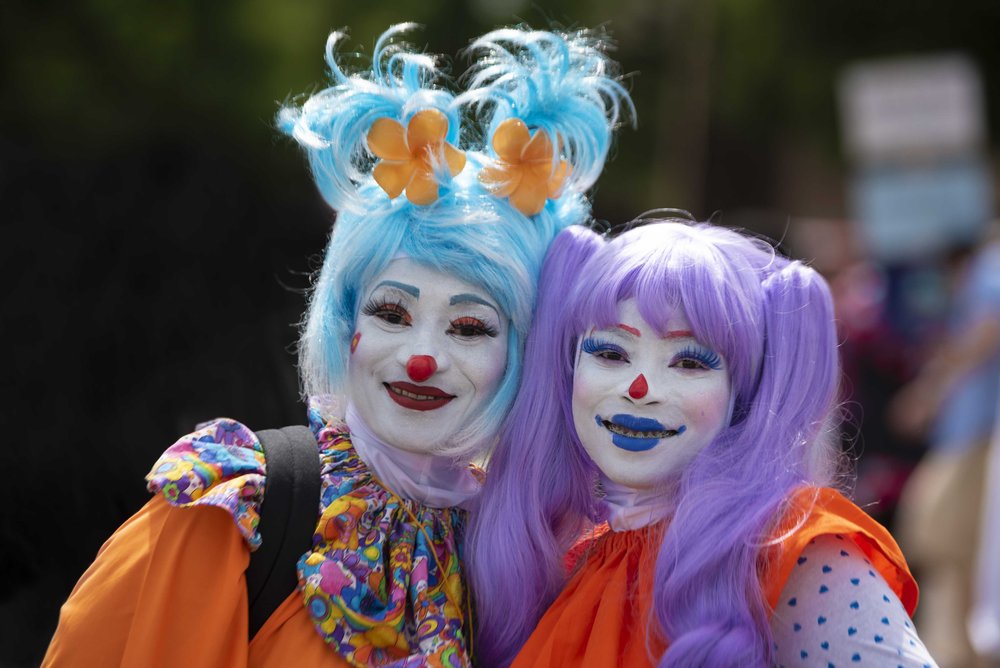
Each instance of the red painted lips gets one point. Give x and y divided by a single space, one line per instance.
417 397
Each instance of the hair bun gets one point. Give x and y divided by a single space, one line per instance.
563 84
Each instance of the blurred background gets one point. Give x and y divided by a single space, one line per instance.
158 235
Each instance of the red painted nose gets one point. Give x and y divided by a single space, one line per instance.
420 367
638 388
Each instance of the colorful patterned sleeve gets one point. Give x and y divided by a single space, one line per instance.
221 464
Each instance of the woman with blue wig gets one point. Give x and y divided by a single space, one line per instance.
661 491
411 353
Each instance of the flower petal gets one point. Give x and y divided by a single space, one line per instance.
454 158
387 140
502 181
393 176
422 189
538 171
557 179
538 149
510 139
426 127
529 198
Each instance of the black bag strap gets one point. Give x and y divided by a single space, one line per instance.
288 516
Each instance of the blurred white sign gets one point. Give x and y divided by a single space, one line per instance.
923 107
909 214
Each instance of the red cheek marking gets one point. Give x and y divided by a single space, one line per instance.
354 341
638 388
421 367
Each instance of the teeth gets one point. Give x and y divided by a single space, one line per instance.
411 395
630 433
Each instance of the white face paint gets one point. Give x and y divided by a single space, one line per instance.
645 405
428 354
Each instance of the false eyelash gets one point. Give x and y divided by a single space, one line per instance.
706 356
594 346
374 305
484 328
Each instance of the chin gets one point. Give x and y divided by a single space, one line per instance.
632 481
641 478
417 440
416 448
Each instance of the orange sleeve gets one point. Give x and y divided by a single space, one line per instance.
820 511
167 588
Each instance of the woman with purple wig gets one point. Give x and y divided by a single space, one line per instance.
677 411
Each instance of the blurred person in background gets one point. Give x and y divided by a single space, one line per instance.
876 352
953 402
984 622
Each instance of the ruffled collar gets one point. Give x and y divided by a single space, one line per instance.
383 582
434 481
604 614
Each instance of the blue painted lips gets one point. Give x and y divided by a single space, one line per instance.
636 434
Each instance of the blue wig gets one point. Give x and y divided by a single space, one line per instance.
468 231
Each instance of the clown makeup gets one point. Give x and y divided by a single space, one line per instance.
644 404
429 353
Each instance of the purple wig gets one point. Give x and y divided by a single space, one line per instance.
772 320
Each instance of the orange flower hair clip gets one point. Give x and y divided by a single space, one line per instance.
526 171
407 157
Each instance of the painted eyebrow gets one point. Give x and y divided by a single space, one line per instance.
679 334
631 330
405 287
468 297
673 334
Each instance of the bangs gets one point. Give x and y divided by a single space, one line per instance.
471 236
669 266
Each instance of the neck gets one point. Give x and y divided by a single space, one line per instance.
429 479
629 508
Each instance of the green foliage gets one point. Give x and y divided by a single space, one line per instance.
102 75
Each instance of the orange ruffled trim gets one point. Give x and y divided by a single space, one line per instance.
527 171
408 157
603 616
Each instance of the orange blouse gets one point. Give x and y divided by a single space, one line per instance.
169 590
382 581
604 617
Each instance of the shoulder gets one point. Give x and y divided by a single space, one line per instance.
837 606
220 464
983 283
811 512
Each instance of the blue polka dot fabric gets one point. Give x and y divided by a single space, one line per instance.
838 611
